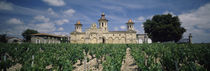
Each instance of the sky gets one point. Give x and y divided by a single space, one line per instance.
59 16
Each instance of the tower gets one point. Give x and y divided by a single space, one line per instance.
103 22
190 38
78 27
130 25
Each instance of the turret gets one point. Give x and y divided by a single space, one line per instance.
190 38
130 25
103 22
78 27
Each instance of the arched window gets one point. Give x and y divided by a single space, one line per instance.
102 24
103 40
37 41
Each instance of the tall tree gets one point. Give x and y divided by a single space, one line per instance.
27 34
163 28
3 38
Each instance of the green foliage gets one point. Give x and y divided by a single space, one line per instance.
148 57
60 56
172 57
27 34
3 38
162 28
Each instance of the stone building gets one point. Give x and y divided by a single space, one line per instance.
48 38
143 38
101 34
14 40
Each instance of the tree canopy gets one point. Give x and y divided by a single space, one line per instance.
163 28
3 38
27 34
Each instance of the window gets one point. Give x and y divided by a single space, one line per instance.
37 41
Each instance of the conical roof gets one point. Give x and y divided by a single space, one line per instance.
130 21
78 22
103 17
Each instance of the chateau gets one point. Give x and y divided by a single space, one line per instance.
101 34
48 38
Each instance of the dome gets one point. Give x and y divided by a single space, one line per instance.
78 22
102 14
102 17
129 20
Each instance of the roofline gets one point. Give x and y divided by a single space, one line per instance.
46 34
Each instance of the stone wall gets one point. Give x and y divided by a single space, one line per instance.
36 39
111 38
97 35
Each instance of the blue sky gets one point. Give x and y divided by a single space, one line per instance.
59 16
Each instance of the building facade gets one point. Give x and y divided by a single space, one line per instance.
48 38
14 40
101 34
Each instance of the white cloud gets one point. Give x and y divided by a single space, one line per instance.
43 27
41 18
142 25
168 12
60 29
112 7
122 27
116 28
11 8
197 22
16 30
52 12
61 22
42 24
14 21
69 12
141 19
61 33
117 19
5 6
149 17
125 4
55 2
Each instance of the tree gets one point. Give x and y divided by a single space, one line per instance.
3 38
27 34
163 28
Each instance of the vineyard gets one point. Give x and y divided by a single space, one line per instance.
105 57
